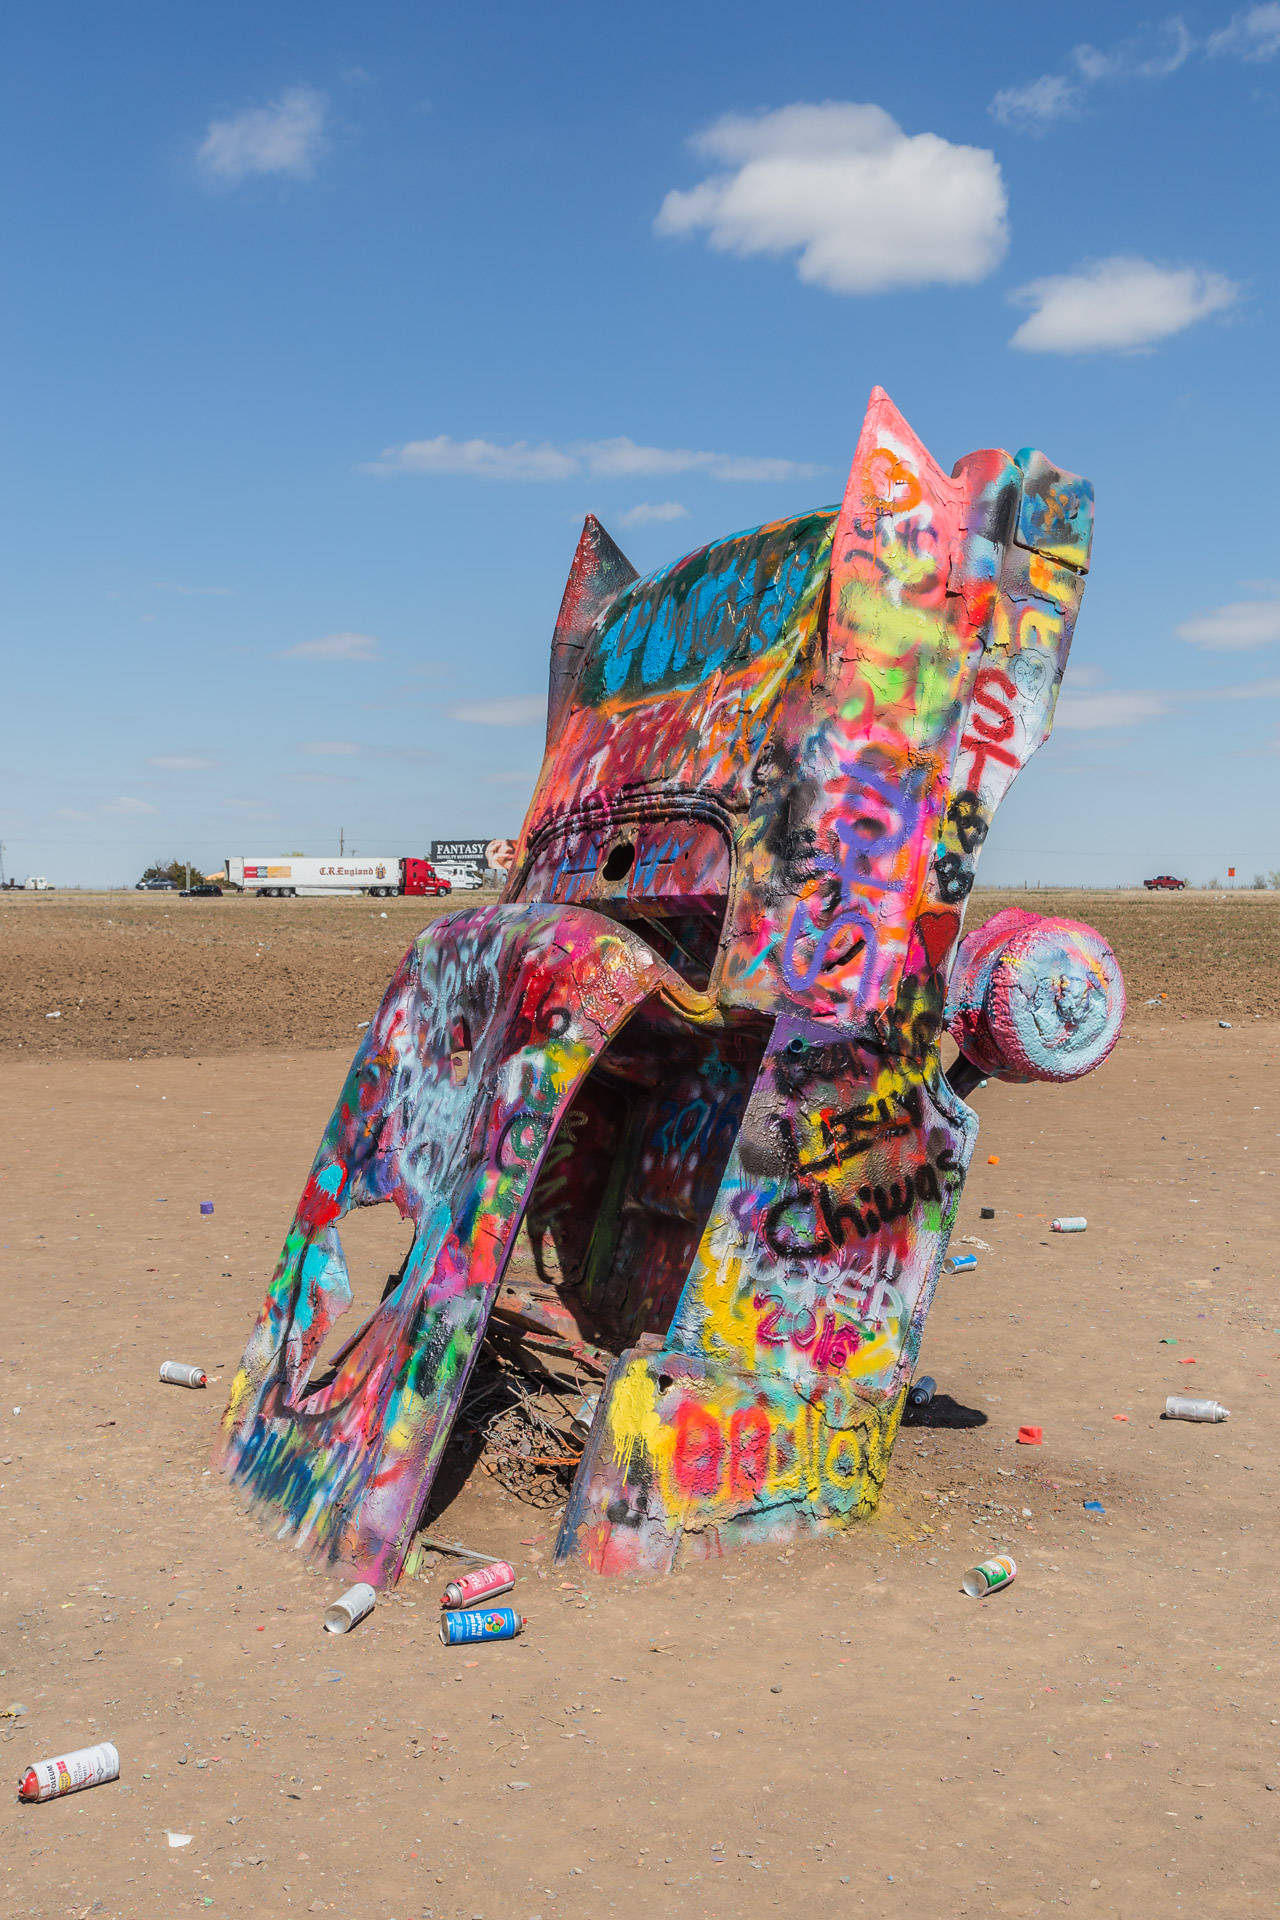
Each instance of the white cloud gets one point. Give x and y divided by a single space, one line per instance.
1084 712
648 511
335 646
1116 305
520 711
868 207
181 762
126 804
616 459
1149 58
1253 35
1035 107
170 586
479 459
71 813
285 137
330 747
1249 690
321 779
1079 711
1152 54
1235 628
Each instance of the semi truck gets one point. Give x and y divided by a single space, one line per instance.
286 875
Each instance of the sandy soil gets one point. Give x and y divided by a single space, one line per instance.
861 1737
136 976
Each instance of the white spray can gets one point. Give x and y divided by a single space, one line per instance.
86 1767
1181 1406
175 1374
350 1609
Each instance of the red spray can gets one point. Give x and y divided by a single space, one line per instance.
482 1583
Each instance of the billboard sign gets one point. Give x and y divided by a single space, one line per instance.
475 855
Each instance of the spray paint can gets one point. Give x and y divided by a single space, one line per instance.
86 1767
960 1263
1180 1406
494 1623
922 1391
989 1576
174 1374
350 1608
1070 1223
482 1583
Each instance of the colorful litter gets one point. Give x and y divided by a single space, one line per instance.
989 1576
86 1767
463 1627
175 1374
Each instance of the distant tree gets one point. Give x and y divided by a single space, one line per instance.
1274 878
1211 884
175 870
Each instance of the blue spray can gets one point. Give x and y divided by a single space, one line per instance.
960 1263
460 1627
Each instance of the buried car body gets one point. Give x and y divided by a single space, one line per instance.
694 1051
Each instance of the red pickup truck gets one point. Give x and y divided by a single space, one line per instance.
1166 881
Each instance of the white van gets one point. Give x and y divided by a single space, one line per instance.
461 875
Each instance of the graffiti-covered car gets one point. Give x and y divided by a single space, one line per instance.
693 1055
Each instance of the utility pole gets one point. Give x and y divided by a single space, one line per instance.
341 842
2 881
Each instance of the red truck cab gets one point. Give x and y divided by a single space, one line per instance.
421 877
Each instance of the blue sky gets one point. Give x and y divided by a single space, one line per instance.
327 324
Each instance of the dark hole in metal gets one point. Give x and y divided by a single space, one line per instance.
620 861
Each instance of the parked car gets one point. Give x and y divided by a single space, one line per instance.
200 893
1166 881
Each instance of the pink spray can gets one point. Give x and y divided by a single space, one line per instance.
480 1584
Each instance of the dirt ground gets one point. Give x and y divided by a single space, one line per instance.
136 975
1098 1756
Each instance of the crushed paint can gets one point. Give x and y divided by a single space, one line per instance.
86 1767
206 1206
175 1374
1030 1436
482 1583
495 1623
1069 1223
986 1213
960 1263
922 1391
585 1413
1181 1406
989 1576
350 1608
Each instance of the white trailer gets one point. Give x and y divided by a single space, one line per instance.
284 876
